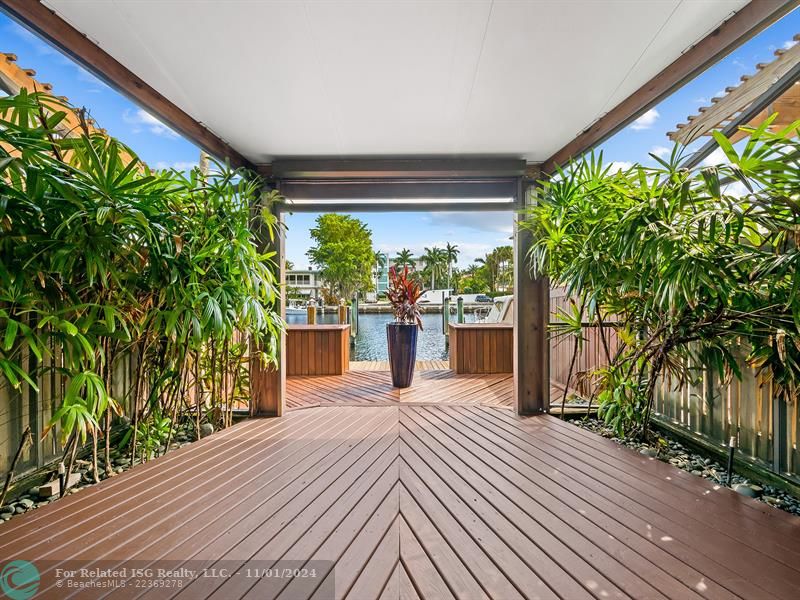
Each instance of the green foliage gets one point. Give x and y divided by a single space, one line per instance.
697 276
435 261
343 253
404 258
493 274
103 258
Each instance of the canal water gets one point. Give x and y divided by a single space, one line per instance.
371 339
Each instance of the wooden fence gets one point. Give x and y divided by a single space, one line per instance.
25 407
591 356
766 428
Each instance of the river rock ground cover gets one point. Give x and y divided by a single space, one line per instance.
670 450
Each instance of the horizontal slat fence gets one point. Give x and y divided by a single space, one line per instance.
766 427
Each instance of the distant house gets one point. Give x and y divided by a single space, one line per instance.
382 276
306 283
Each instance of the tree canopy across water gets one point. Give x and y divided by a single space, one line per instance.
699 267
102 258
343 253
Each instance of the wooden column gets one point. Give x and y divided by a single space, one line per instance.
531 317
268 386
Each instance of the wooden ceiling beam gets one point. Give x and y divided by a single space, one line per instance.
750 20
45 22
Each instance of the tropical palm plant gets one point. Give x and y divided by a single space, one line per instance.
435 263
404 259
104 260
699 266
451 256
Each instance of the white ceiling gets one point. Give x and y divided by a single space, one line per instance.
334 78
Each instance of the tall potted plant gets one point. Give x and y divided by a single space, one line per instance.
401 335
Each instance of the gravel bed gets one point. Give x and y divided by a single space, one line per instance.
705 466
119 464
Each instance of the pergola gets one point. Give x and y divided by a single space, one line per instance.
365 106
773 88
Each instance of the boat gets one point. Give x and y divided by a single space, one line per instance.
295 308
501 311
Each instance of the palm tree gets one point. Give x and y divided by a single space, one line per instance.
451 254
404 258
434 259
492 267
505 257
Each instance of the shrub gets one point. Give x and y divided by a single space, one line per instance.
696 265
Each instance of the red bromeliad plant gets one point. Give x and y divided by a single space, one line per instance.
404 293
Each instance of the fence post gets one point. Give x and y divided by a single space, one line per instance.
446 317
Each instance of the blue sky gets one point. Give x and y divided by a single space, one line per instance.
474 233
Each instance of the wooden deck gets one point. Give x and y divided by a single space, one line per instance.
415 502
383 365
373 387
369 384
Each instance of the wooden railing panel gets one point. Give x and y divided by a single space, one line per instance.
481 347
317 349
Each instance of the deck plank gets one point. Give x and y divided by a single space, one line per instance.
631 539
418 500
422 572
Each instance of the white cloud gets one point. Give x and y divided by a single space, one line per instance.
736 189
144 120
661 151
717 157
646 121
620 165
178 166
496 221
789 44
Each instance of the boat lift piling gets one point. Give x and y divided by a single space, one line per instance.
446 319
353 320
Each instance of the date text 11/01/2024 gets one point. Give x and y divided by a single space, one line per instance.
184 573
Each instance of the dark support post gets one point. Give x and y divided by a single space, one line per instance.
268 384
354 316
446 317
460 310
531 317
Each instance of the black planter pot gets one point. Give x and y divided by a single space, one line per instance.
402 340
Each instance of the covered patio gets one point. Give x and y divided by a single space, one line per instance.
464 487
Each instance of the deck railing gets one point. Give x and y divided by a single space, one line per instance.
765 427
